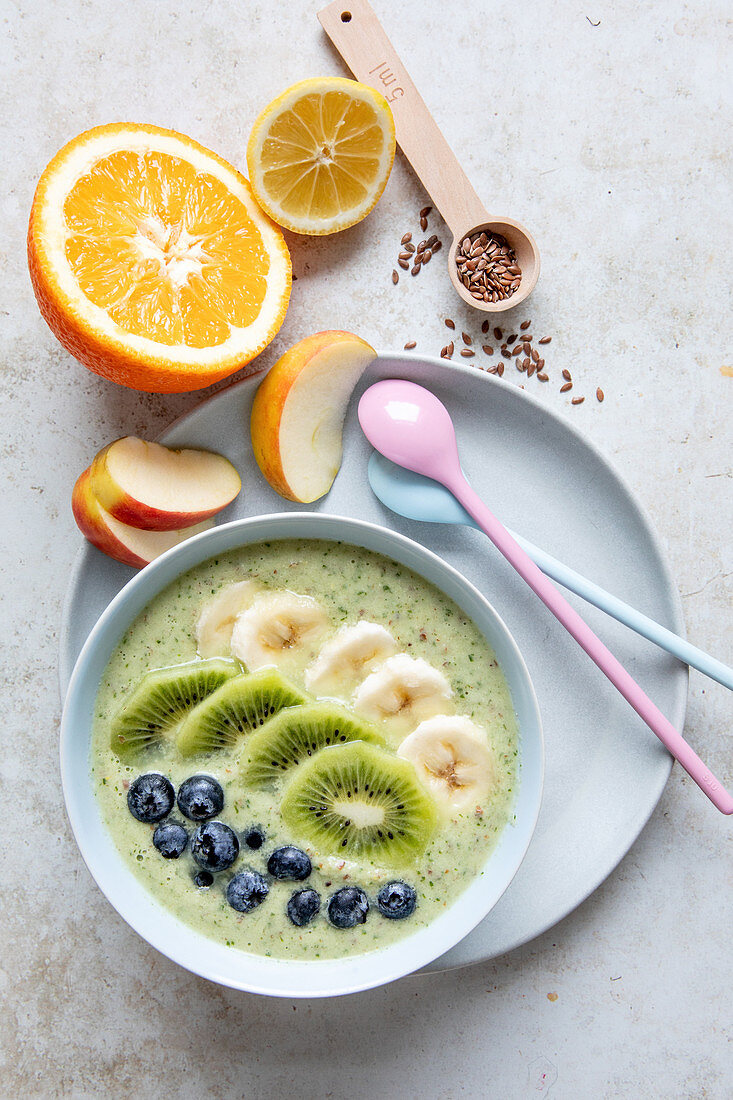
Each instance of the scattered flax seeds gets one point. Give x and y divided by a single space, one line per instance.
425 250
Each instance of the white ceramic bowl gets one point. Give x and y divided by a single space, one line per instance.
181 942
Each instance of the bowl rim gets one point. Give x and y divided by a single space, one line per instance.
179 941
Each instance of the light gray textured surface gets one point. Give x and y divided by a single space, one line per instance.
609 142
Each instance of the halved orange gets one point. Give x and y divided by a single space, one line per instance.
319 156
151 261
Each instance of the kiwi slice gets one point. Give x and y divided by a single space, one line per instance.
163 698
293 735
237 708
358 801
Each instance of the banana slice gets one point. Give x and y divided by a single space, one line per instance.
348 656
214 628
280 628
453 760
404 690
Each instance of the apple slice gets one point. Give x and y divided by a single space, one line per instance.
161 489
119 541
299 409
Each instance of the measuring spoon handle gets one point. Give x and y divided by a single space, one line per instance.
359 37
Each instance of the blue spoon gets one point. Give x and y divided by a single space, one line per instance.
416 497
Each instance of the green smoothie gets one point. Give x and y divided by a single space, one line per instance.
351 585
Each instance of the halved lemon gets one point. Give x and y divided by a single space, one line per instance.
320 155
151 261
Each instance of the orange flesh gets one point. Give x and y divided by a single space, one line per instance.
168 252
308 168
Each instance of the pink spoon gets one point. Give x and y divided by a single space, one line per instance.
410 426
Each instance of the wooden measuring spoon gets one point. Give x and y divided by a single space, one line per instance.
357 34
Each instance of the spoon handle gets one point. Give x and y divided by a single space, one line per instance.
359 37
592 645
628 615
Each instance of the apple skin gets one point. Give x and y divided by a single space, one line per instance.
109 537
137 513
271 397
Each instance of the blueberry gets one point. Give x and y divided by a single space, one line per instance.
200 797
303 907
246 891
150 797
348 907
397 900
254 838
214 846
289 863
170 840
203 879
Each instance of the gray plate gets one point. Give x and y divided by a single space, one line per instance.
605 770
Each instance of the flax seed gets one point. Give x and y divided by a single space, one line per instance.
395 278
426 256
466 338
404 256
540 364
500 369
467 353
577 401
512 338
525 325
526 363
437 246
485 327
566 387
425 211
600 394
410 345
409 248
432 240
545 340
450 323
423 224
403 264
518 349
415 269
527 347
542 377
406 239
451 348
535 355
498 334
487 348
567 375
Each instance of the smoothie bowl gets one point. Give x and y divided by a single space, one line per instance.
301 755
